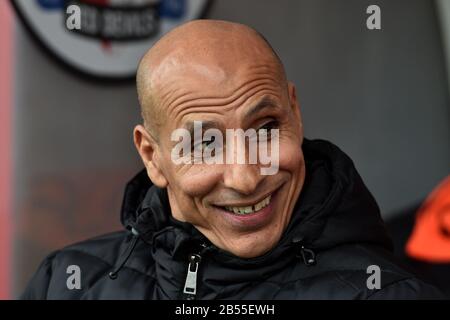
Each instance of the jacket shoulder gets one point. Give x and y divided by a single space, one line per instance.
372 272
92 259
104 249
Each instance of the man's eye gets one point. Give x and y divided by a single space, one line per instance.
269 126
205 143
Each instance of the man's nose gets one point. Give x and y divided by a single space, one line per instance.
243 178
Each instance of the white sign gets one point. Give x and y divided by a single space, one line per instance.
104 38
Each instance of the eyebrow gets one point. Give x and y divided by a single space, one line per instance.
264 103
206 124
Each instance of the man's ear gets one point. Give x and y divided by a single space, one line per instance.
295 106
149 151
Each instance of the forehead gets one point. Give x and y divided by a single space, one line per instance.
179 68
262 106
186 90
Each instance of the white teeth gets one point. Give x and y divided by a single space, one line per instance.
250 209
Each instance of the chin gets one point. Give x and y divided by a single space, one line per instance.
248 249
248 253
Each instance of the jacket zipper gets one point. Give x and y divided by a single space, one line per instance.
190 285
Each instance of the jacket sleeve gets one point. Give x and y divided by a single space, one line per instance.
408 289
39 283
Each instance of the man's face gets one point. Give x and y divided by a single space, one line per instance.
209 195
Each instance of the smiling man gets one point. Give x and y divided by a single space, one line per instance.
203 229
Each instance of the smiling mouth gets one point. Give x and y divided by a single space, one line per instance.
248 209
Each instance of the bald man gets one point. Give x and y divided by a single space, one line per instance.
233 203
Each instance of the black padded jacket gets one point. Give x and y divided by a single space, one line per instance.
328 251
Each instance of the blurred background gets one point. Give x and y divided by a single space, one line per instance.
67 108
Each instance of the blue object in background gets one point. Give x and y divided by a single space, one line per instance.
51 4
172 9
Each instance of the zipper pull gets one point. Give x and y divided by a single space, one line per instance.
306 254
190 286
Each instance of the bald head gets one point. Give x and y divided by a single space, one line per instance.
206 51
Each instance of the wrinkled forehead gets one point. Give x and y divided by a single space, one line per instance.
180 85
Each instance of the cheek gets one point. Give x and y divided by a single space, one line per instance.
189 186
190 180
195 180
291 156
